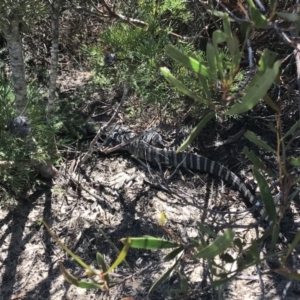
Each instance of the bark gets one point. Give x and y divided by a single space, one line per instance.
12 35
55 13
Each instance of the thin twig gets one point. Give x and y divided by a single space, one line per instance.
116 15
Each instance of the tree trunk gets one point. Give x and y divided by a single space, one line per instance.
55 12
12 35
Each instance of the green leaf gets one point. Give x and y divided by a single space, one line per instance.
266 195
292 246
204 86
258 163
219 14
148 243
219 37
257 89
187 61
270 102
203 229
120 258
163 277
74 256
227 27
100 261
69 277
294 161
102 266
233 45
291 130
257 17
173 253
181 87
73 280
212 62
113 246
275 234
195 132
266 61
260 143
218 246
289 17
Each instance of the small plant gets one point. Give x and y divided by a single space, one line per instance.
20 155
139 53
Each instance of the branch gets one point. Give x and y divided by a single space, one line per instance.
115 15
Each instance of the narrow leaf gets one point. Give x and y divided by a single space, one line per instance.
181 87
187 61
227 27
260 143
148 243
257 89
275 234
69 277
195 132
212 62
233 45
109 241
218 246
219 37
270 102
90 285
292 246
294 161
163 277
266 195
288 16
204 229
266 61
120 258
218 13
258 163
74 256
81 284
291 130
173 254
102 266
257 17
